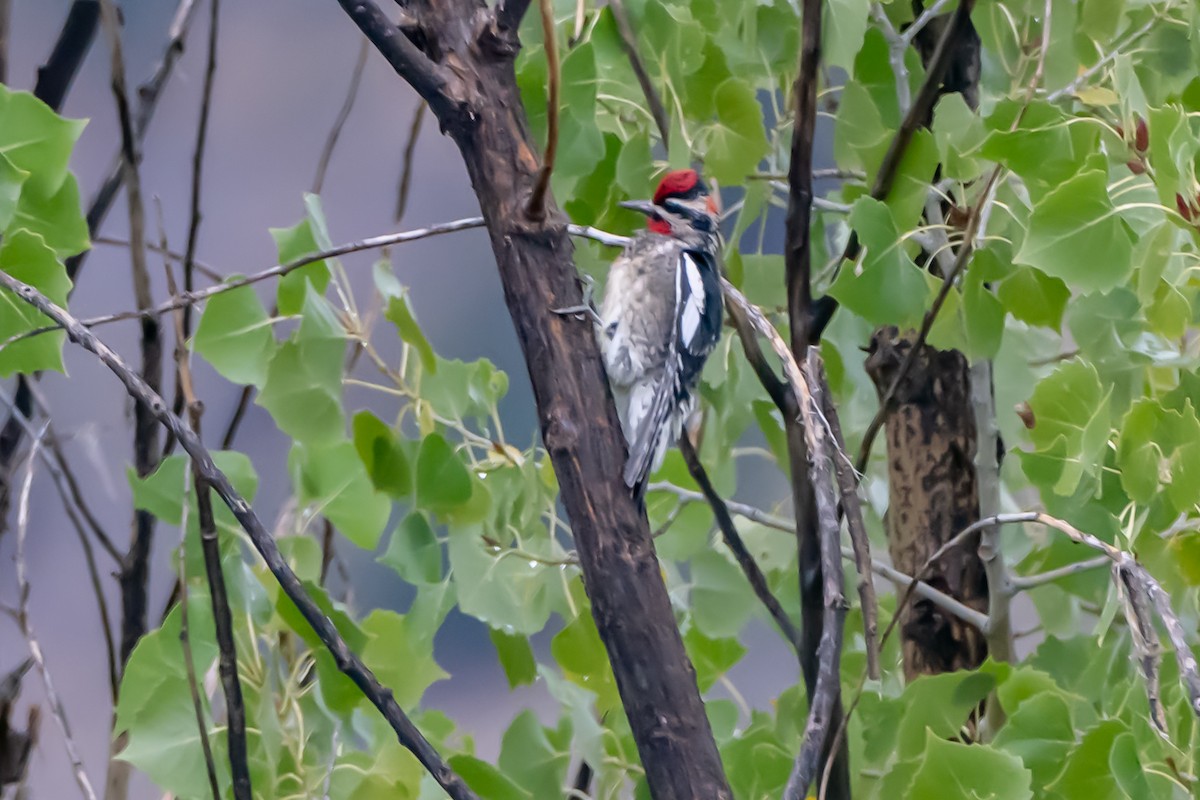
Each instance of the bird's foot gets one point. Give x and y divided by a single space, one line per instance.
585 309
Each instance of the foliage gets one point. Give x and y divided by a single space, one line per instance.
1083 290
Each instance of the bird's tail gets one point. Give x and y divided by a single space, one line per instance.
651 438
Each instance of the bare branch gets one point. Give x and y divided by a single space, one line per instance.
823 711
55 77
343 114
235 708
260 537
56 707
414 66
733 540
629 44
1108 58
210 72
406 169
5 27
536 210
920 22
1023 583
851 507
148 97
134 572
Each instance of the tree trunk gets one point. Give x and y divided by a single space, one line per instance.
459 56
930 433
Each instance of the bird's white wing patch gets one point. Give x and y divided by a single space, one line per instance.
689 298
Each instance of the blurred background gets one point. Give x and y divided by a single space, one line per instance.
284 67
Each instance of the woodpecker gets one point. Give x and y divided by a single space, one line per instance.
661 317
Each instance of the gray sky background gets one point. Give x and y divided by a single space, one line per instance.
284 66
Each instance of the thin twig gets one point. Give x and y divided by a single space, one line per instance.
235 708
920 22
847 483
817 738
1023 583
190 298
195 215
343 114
897 48
347 662
960 263
189 667
134 569
733 540
1108 58
629 44
148 97
5 27
410 151
54 78
26 626
886 571
536 210
56 465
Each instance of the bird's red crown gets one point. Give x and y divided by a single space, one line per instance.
677 183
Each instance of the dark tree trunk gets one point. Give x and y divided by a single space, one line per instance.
464 69
930 434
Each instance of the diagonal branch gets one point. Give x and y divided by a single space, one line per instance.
54 78
56 707
428 78
629 45
260 537
733 539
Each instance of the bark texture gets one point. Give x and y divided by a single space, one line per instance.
930 435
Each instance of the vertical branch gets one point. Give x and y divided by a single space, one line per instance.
235 707
55 77
189 663
343 114
210 73
629 44
5 23
134 572
536 210
35 649
410 150
808 470
847 482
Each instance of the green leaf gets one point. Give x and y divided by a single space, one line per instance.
844 24
303 388
442 481
234 335
36 140
332 479
487 781
11 181
737 141
516 657
721 601
399 312
400 657
1034 297
953 769
294 243
56 217
1071 410
508 592
155 707
579 651
26 257
460 389
886 287
712 658
383 455
1075 234
1040 733
414 551
1087 772
959 134
531 759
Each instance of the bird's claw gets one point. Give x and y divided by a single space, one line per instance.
585 309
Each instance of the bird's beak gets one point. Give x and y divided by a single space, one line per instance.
644 206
